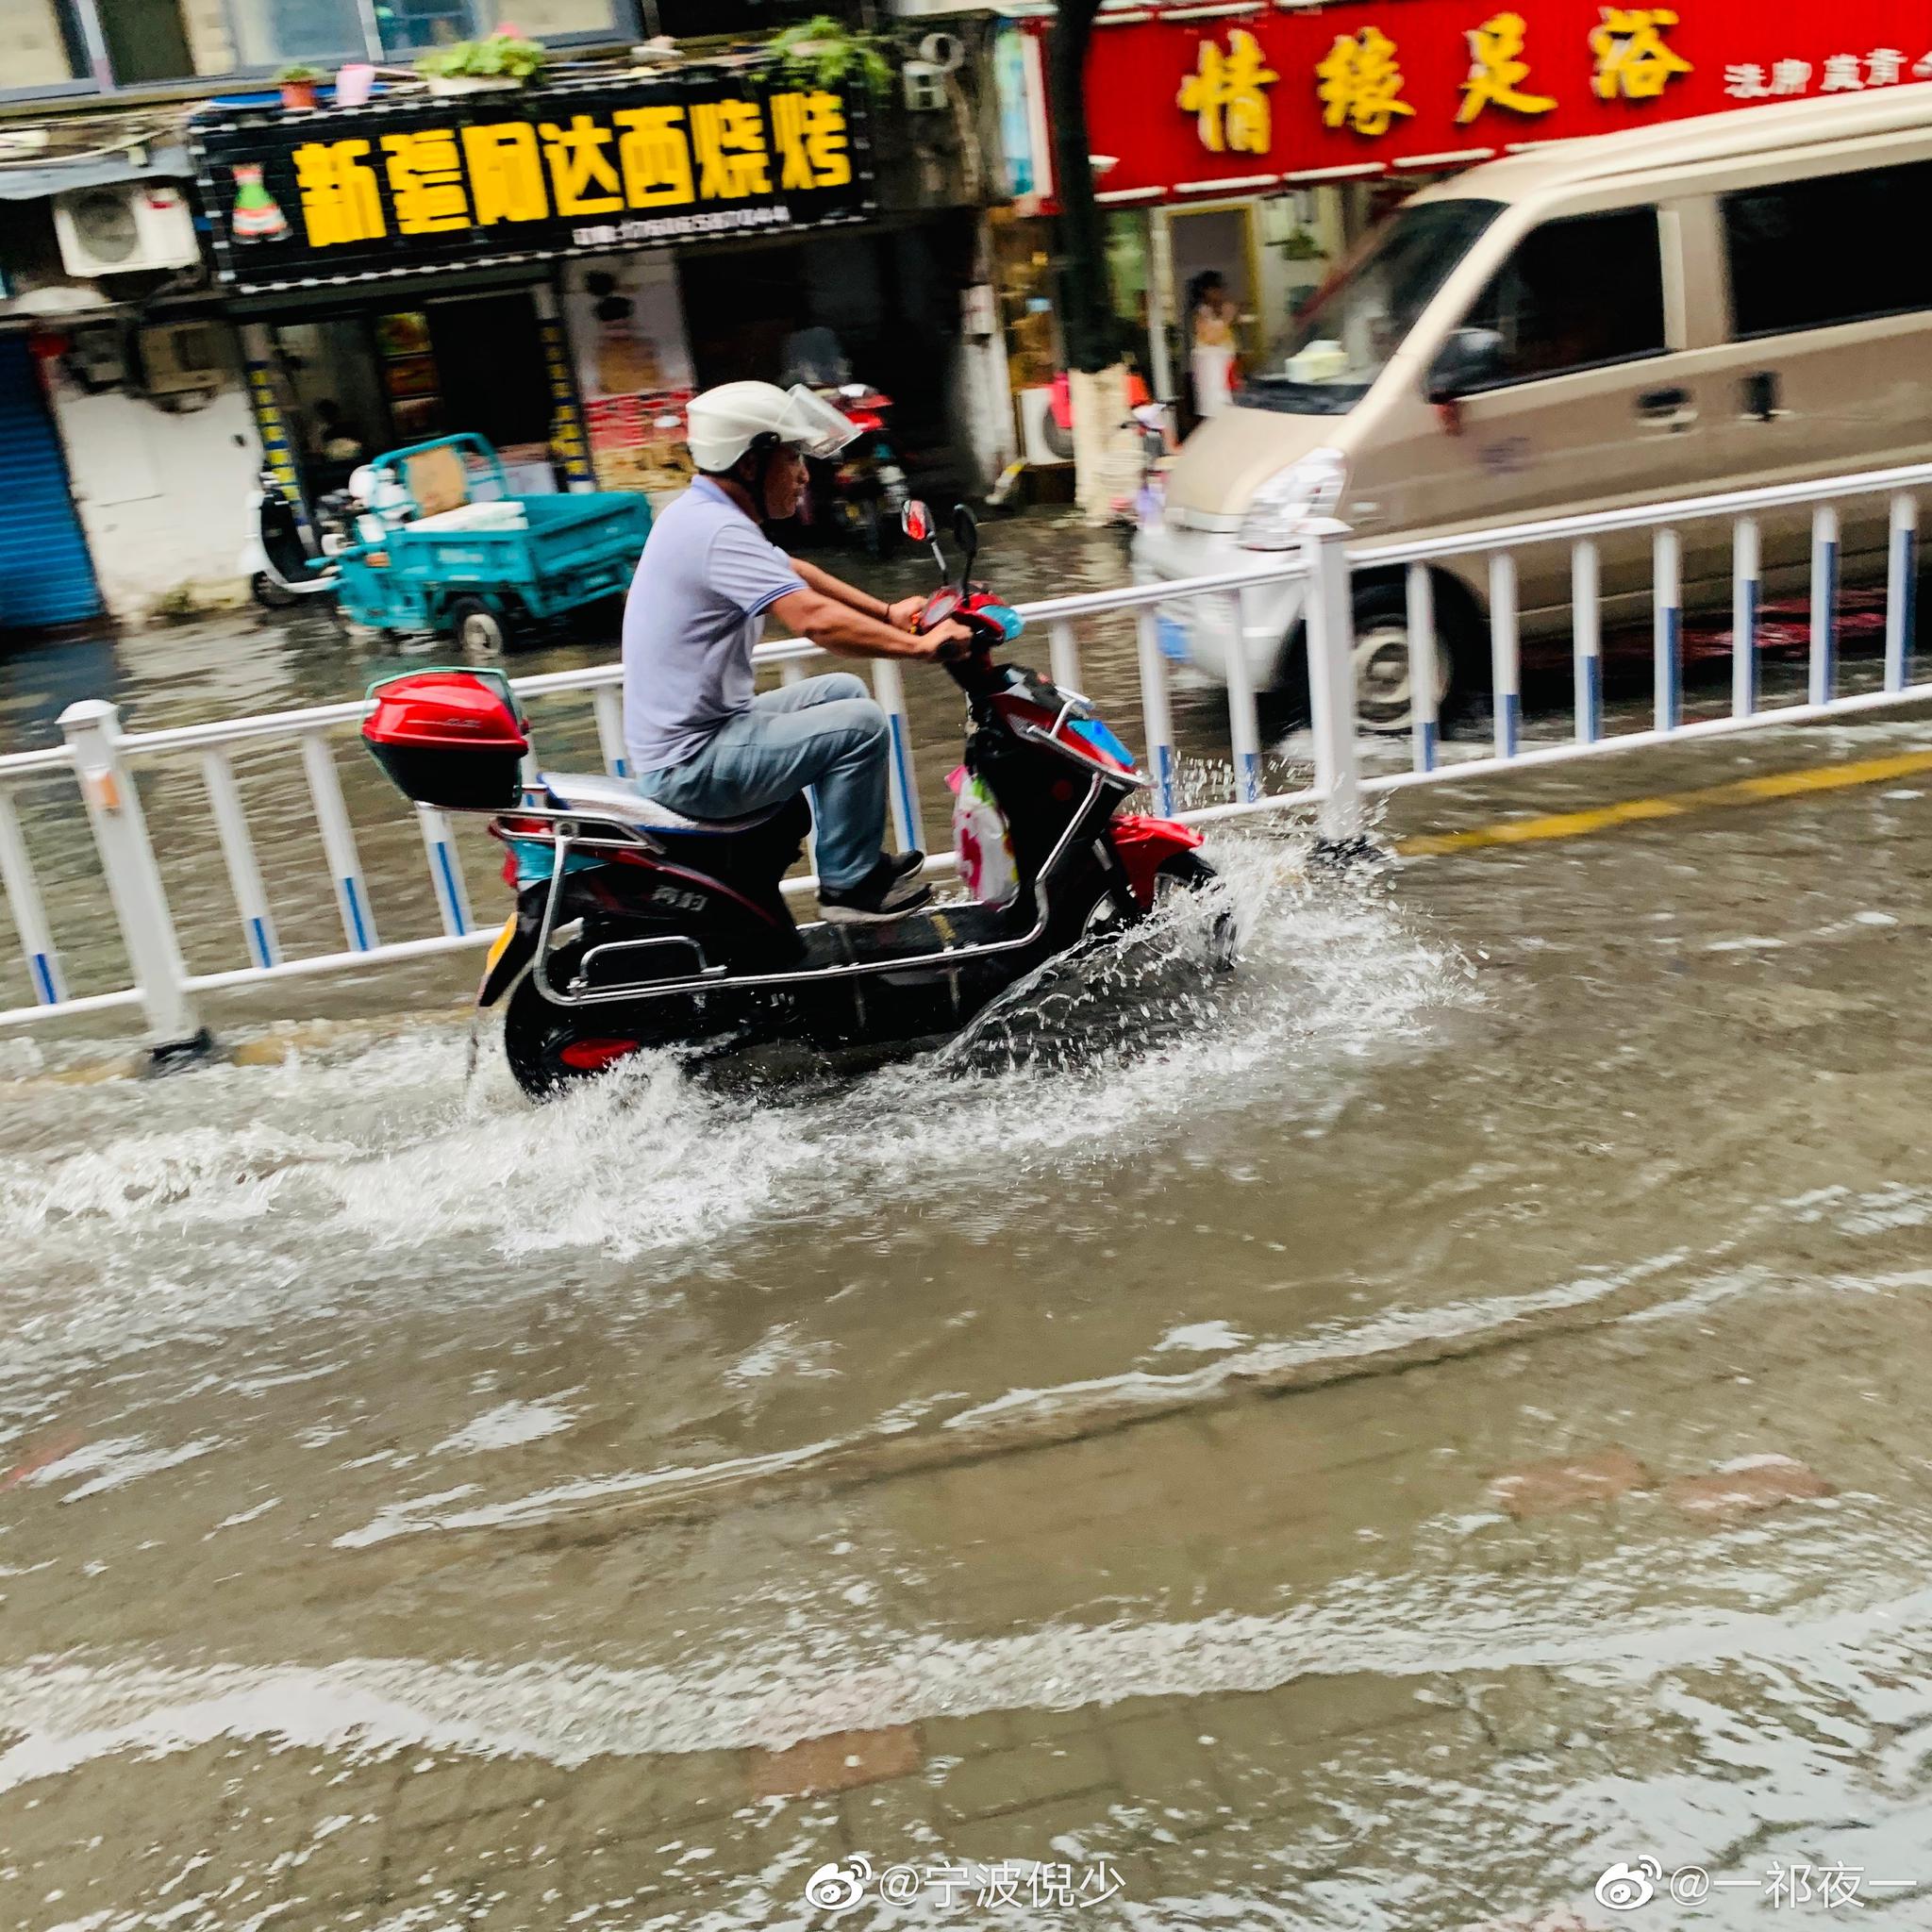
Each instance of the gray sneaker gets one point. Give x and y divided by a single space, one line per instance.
887 892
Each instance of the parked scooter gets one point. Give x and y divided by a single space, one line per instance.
868 488
638 928
1154 440
284 559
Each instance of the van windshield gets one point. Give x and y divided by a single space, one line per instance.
1324 362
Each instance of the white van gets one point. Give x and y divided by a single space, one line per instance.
1734 300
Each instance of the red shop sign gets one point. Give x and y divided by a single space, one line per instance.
1236 99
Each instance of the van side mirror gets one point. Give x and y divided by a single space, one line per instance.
1472 358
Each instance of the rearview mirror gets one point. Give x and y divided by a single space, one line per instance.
916 520
966 534
1470 360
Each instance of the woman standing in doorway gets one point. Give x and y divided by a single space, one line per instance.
1212 319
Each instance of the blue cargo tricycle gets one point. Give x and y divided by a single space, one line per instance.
441 544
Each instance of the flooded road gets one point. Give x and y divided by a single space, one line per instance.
1382 1443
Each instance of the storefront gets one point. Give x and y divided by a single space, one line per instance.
1257 142
513 264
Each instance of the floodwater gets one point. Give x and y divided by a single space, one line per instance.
1372 1443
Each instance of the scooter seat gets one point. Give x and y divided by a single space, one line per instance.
597 795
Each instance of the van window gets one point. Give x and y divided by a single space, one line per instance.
1577 293
1785 273
1322 362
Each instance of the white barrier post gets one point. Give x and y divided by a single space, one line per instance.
29 916
339 843
1506 675
446 872
93 729
1823 604
1901 591
1153 712
888 687
238 851
1747 593
1421 667
1330 652
1666 627
608 709
1243 723
1063 654
1587 639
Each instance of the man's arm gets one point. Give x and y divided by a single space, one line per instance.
834 625
900 615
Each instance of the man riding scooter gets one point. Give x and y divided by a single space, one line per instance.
700 740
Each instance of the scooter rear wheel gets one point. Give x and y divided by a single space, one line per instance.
551 1048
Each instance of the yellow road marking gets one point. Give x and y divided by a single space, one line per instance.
1576 824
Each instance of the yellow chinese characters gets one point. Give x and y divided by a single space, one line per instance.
578 164
1227 95
1360 83
1631 58
506 175
1497 70
729 137
425 181
654 156
340 198
810 131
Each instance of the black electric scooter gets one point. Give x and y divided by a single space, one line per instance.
636 928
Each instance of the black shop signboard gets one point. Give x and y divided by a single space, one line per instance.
298 200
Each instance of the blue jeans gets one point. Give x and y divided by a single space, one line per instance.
822 732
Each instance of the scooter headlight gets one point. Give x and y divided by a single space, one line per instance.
1289 498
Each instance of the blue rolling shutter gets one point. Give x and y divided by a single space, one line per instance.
45 575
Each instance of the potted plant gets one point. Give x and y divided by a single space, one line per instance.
826 53
504 59
297 83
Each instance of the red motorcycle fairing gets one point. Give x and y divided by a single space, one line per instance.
1145 844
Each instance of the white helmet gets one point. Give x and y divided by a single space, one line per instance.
724 422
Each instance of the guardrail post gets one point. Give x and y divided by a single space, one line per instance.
1824 667
1586 639
1155 719
1330 631
1901 591
93 729
1748 591
29 916
1667 629
888 687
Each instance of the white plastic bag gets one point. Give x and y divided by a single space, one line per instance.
980 839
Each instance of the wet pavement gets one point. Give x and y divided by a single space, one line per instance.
1372 1445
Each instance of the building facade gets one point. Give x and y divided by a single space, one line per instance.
552 266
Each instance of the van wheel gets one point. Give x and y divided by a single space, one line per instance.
480 627
1384 704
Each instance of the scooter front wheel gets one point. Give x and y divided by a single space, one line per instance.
1188 871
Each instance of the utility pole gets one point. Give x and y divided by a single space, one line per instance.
1089 329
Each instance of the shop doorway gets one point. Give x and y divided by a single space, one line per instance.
355 385
1213 241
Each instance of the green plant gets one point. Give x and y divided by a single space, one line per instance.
828 53
1299 244
298 72
497 57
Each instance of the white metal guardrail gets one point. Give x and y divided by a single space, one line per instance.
100 759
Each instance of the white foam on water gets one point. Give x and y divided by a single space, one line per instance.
1601 1622
245 1197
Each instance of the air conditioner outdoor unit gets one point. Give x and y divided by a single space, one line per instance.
1043 439
179 356
124 229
